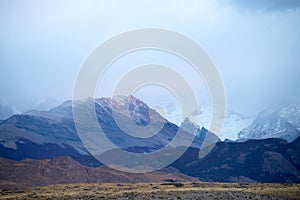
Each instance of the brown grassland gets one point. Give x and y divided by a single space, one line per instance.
187 190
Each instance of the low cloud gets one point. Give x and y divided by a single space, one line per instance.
265 5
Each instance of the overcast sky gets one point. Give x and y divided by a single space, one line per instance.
255 45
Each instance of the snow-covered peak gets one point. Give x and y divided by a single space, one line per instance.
280 123
291 113
234 122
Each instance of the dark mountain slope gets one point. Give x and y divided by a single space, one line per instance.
269 160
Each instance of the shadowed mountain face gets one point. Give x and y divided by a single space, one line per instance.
269 160
48 134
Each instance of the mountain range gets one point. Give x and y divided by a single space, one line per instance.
47 134
44 135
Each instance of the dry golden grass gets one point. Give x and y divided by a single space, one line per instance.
157 191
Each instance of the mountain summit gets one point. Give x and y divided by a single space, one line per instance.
282 123
47 134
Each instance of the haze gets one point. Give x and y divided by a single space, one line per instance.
255 46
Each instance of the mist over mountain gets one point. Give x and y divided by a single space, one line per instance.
45 105
280 123
234 122
5 112
9 109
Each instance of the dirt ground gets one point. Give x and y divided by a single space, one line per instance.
165 190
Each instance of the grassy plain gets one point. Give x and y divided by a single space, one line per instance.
195 190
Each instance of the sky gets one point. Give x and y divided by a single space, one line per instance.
254 45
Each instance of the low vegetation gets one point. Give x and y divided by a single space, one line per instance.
174 190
